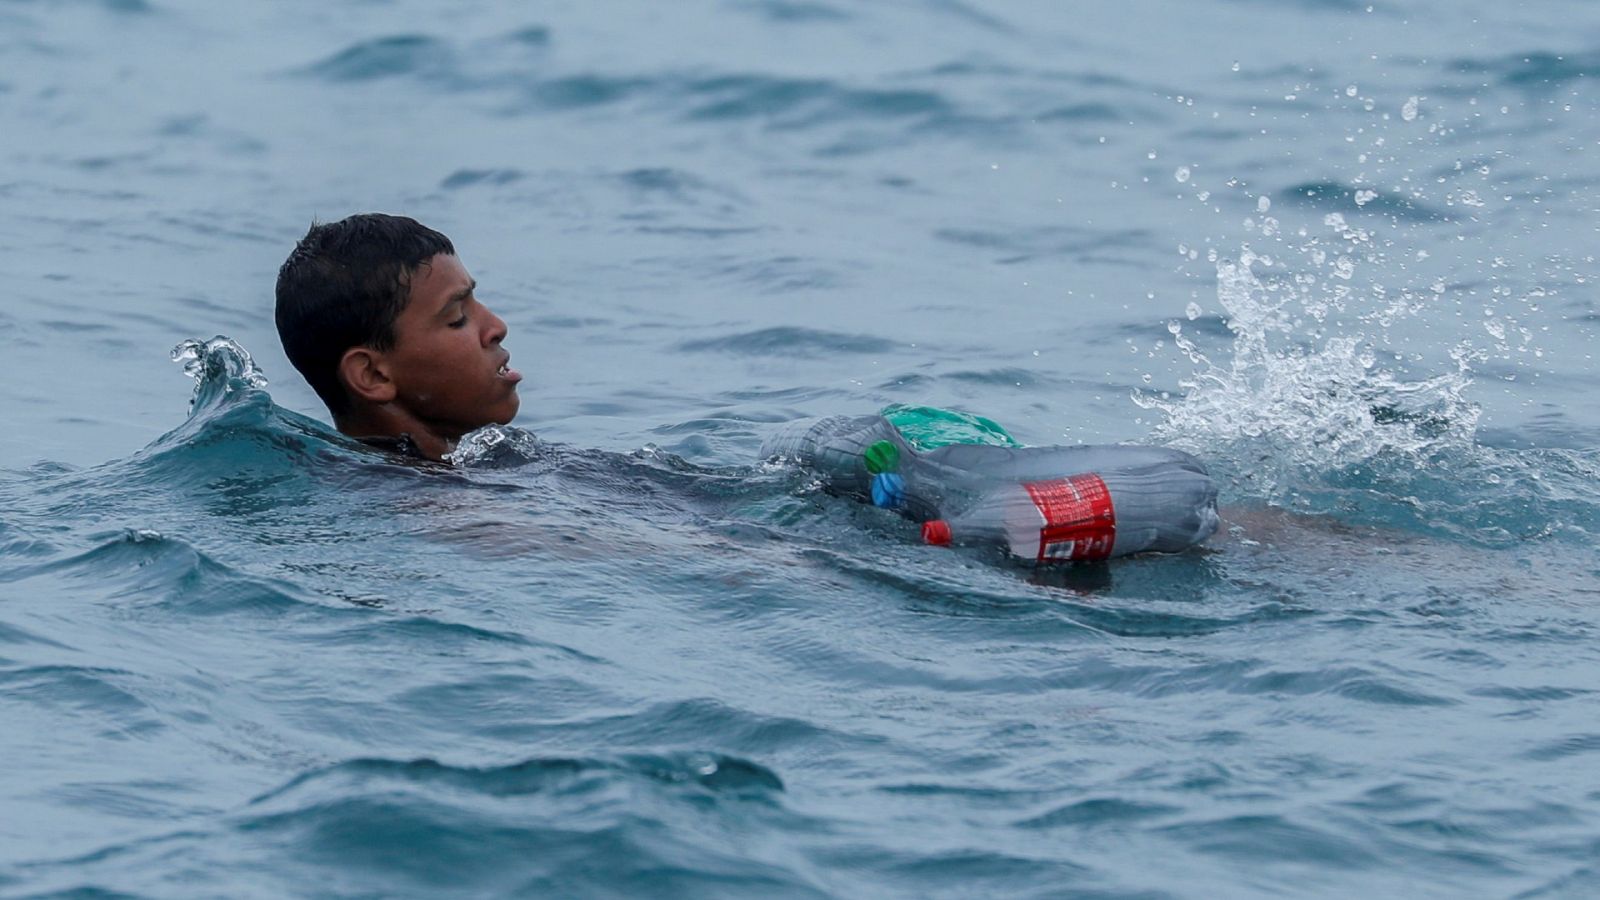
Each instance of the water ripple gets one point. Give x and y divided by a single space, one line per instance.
677 823
1333 196
717 773
91 689
148 570
1538 70
789 340
1097 813
796 102
794 11
1564 748
1271 840
386 57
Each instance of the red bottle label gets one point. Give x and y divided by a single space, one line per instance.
1079 522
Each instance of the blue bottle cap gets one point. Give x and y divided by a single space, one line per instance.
888 490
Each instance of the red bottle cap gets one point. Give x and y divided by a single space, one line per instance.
936 532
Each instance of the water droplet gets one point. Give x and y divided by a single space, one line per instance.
1192 311
1182 174
1409 110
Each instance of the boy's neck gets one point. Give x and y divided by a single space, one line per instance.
387 421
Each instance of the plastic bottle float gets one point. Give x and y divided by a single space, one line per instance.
1042 504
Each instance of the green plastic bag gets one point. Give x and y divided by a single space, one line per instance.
927 427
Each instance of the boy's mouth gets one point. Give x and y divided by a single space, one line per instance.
509 374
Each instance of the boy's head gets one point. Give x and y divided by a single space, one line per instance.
380 317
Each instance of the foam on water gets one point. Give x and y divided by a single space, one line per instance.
1309 407
1291 402
495 445
1363 345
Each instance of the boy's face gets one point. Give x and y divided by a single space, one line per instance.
447 365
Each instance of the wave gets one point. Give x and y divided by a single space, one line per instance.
125 7
143 569
794 11
1334 196
796 102
717 773
89 690
1025 245
386 57
462 178
513 76
691 824
789 341
583 91
671 821
1540 71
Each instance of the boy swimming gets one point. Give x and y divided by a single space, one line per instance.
382 319
380 316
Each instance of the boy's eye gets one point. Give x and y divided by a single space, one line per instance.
459 323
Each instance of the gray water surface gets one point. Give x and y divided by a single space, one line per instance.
1341 251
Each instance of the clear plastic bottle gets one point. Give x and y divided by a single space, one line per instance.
1087 516
1046 504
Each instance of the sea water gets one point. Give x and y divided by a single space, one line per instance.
1343 251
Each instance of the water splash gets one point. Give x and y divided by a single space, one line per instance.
1295 405
219 367
496 446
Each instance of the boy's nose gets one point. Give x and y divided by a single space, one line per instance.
496 332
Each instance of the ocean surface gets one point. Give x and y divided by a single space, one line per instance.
1343 251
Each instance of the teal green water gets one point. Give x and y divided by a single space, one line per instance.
1341 252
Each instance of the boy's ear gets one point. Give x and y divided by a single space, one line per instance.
364 375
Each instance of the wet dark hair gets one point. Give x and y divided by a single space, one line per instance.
342 287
